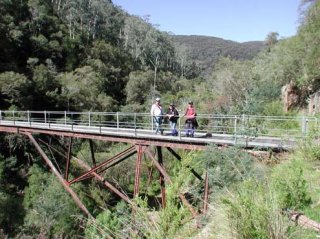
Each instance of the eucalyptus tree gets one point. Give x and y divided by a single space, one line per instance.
294 59
271 39
148 46
134 35
100 19
14 90
232 81
82 90
138 87
158 47
113 65
181 54
93 19
46 88
309 34
14 20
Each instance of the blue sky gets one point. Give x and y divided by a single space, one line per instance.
237 20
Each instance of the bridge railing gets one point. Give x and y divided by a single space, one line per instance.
232 125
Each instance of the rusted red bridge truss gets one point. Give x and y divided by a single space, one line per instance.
137 130
150 147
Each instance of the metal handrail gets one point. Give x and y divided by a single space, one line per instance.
235 125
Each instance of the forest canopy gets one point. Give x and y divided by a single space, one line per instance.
74 55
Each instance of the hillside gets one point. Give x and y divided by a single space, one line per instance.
206 51
90 56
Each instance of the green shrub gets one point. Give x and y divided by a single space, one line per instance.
227 166
105 225
49 208
170 221
308 148
273 108
253 212
289 182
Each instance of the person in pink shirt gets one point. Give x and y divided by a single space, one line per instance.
190 115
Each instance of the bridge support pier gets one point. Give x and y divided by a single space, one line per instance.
138 170
68 158
162 182
92 152
206 194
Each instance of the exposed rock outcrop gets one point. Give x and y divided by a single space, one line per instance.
314 103
290 96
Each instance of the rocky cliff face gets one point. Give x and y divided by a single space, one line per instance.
290 96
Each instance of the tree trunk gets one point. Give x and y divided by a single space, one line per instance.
304 221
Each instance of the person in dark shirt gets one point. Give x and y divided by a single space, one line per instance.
173 116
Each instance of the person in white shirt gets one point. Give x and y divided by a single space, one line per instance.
157 114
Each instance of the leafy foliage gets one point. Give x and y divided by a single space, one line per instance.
50 210
227 167
90 55
292 185
105 225
208 50
14 90
254 212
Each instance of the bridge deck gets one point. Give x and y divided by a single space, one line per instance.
148 137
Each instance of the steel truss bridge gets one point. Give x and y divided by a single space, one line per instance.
137 130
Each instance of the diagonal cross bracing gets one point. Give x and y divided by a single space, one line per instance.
85 166
111 162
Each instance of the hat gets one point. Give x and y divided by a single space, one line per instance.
190 103
157 99
171 104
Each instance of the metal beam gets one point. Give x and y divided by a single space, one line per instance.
163 142
162 182
206 194
68 159
137 170
85 166
111 162
92 152
60 178
104 181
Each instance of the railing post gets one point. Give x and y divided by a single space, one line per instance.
65 117
14 119
242 124
0 116
315 119
235 129
135 123
117 120
152 123
28 116
45 117
100 123
89 115
179 127
304 126
49 119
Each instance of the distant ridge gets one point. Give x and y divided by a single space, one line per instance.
206 50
